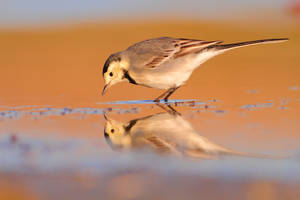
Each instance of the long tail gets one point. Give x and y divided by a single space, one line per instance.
209 149
248 43
253 155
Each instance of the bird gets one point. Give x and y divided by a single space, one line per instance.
166 133
165 62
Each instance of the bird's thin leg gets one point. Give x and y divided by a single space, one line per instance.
169 109
162 95
172 90
162 107
174 112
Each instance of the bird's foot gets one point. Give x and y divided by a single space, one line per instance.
165 100
168 108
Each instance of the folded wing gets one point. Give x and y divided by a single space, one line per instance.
154 52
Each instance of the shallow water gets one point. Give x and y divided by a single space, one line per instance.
61 152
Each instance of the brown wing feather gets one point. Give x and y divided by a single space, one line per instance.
160 145
191 46
160 59
180 47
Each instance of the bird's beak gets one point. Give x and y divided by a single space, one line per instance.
106 86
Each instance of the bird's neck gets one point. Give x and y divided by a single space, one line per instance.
128 77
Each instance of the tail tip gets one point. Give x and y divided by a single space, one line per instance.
282 39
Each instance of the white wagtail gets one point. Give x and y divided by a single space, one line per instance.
165 62
164 133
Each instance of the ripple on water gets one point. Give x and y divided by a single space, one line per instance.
36 113
257 105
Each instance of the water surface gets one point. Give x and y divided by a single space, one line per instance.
52 148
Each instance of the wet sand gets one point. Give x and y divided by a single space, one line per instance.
51 115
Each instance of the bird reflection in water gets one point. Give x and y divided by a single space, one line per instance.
166 132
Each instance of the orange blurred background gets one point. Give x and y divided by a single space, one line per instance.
60 64
64 64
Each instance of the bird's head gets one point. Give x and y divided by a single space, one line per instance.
114 70
115 134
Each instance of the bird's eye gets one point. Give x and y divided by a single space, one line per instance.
112 130
111 74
